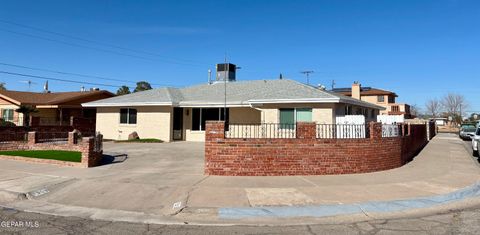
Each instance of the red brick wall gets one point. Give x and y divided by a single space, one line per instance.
306 155
90 158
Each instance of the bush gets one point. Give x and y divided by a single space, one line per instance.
6 123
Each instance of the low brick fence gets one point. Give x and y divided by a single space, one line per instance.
88 146
308 155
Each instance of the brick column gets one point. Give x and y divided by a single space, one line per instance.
72 137
375 130
32 138
306 130
34 121
214 130
87 151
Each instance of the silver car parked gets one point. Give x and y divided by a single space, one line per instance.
467 131
476 142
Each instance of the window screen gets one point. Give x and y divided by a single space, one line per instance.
287 118
304 115
124 116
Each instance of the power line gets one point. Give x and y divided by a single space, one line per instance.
58 79
97 42
73 74
94 48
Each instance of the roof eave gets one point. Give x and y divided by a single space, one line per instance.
362 103
127 104
286 101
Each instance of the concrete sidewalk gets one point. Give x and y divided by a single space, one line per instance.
154 178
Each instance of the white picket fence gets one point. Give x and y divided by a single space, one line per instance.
351 119
390 130
390 119
351 126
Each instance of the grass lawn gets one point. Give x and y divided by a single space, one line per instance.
68 156
150 140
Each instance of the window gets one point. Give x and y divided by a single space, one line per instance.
128 116
201 115
348 110
391 99
381 98
304 115
7 114
288 117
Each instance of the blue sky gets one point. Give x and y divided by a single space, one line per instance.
419 49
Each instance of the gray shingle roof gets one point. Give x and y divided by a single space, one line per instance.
238 93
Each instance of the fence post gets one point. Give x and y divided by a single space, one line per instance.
32 138
306 130
72 137
375 130
214 130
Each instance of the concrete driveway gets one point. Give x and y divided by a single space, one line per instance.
167 180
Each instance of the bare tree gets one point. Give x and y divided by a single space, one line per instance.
433 107
455 105
415 110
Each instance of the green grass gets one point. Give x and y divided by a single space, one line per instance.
150 140
68 156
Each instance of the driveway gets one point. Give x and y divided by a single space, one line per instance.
166 181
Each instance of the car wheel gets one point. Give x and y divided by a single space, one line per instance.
475 153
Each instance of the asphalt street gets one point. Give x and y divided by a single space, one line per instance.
454 222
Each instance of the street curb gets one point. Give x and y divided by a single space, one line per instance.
369 207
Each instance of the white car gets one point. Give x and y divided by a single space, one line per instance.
476 142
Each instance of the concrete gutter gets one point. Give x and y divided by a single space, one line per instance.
345 209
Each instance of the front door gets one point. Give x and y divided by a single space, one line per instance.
177 123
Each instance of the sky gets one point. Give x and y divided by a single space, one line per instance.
419 49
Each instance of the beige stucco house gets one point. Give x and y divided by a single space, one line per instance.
180 113
384 98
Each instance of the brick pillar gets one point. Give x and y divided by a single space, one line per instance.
409 129
375 130
34 121
214 130
32 137
72 137
306 130
87 151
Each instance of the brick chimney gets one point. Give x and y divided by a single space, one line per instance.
356 90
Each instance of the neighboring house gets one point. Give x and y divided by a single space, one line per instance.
377 96
53 108
180 113
440 121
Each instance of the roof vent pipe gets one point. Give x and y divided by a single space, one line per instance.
209 76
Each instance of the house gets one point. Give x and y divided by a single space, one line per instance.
440 121
384 98
53 108
180 113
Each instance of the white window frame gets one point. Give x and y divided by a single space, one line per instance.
200 123
294 113
9 118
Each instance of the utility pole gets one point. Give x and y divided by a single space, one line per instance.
333 84
225 89
307 73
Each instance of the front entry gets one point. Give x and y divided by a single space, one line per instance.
177 123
